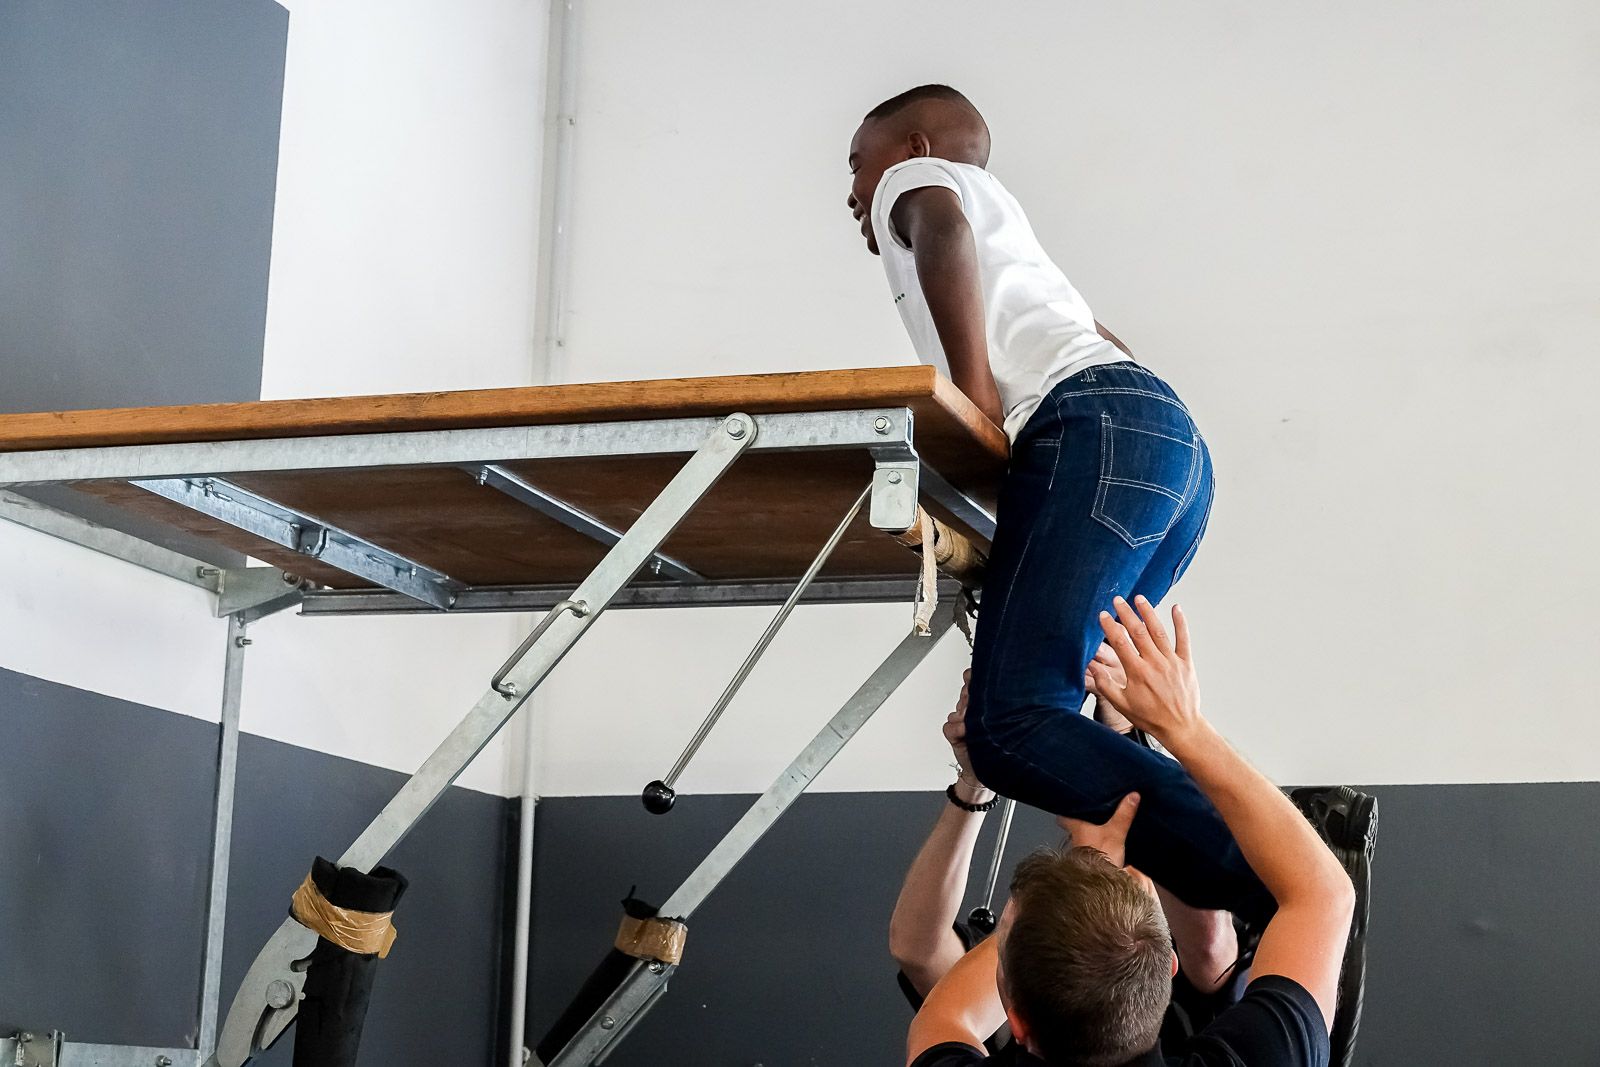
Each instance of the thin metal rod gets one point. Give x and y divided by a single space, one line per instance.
522 936
764 641
1007 810
222 835
252 1022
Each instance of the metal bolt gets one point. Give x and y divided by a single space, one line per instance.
655 567
291 579
881 424
206 572
894 477
736 429
242 642
163 1061
23 1039
280 994
608 1023
656 967
483 479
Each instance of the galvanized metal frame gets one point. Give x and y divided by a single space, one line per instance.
197 476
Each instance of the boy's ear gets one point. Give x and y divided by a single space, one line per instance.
921 147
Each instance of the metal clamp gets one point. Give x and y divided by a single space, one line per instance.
509 689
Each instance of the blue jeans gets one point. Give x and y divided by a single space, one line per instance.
1107 494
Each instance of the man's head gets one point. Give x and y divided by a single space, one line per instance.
1086 961
930 120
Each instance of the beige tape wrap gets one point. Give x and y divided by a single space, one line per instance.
652 939
951 552
362 932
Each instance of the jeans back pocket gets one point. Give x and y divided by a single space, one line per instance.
1148 473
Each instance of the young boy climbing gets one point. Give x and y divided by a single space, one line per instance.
1106 495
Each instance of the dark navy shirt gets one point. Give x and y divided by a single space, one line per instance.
1275 1024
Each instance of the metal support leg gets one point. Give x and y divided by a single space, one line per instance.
222 836
268 999
644 983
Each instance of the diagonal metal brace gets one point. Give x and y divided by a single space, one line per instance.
269 998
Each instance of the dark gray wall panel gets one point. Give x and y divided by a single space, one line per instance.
105 813
138 162
104 856
1481 941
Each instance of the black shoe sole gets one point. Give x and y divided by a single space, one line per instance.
1348 821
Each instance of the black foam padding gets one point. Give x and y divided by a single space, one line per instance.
339 983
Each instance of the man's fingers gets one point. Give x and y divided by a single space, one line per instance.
1117 637
1153 624
1105 655
1180 630
1136 629
1105 687
1122 818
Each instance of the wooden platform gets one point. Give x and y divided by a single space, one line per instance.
763 521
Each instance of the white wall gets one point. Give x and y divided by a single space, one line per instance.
403 259
1358 239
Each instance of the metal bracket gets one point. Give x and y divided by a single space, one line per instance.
38 1050
894 495
253 593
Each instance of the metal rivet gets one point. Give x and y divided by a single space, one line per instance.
608 1023
881 424
280 994
894 477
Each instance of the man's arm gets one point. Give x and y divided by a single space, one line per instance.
921 935
1305 939
931 221
964 1007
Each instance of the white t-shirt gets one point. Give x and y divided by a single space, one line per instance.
1040 331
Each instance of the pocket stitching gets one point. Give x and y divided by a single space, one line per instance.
1107 462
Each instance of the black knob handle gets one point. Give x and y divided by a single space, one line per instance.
982 921
658 798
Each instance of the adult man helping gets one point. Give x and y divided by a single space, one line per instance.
1082 962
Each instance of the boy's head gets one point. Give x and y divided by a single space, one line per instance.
930 120
1086 962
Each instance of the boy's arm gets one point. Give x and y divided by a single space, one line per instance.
931 221
1306 938
1113 338
963 1008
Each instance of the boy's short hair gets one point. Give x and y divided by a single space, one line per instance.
1087 962
916 96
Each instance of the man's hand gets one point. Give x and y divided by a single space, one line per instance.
1109 837
1160 692
968 788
